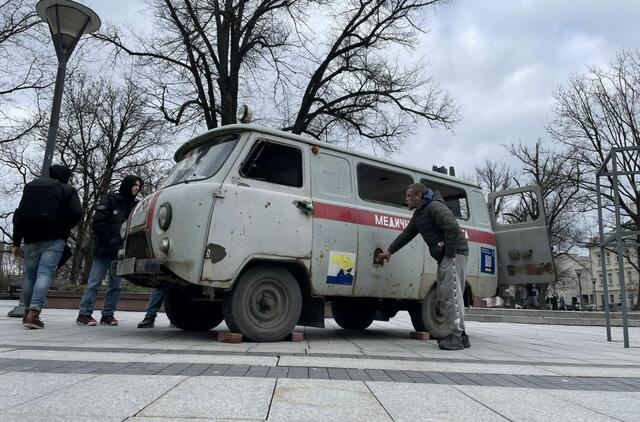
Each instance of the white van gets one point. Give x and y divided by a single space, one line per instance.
260 227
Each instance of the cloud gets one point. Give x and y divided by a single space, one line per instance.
502 62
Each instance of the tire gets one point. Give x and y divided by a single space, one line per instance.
352 314
265 304
426 316
191 313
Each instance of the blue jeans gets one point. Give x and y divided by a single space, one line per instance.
99 270
40 263
155 302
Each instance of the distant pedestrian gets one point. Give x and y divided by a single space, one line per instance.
48 210
107 220
561 304
156 298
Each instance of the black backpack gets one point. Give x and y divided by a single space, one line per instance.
42 205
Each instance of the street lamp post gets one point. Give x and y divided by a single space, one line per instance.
578 273
593 293
68 21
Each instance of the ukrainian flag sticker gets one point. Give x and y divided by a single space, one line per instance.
341 268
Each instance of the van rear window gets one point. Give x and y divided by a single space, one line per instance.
454 197
202 162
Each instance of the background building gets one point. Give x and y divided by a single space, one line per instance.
573 280
613 276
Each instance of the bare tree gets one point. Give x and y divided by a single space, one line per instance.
202 51
206 54
562 199
494 176
22 66
106 131
357 87
596 112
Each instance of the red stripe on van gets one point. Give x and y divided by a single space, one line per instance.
151 209
479 236
388 221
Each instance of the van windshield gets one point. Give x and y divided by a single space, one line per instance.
202 162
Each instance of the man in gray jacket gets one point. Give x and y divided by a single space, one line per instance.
448 246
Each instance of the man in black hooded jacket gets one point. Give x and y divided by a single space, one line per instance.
448 246
107 220
48 210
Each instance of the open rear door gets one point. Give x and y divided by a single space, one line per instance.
524 251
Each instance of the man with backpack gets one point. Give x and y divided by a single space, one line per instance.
112 212
48 210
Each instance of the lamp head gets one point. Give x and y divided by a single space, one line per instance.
68 21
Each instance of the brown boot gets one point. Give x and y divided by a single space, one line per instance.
32 320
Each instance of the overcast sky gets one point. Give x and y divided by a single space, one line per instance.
501 60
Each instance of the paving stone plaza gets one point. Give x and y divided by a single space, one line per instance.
517 372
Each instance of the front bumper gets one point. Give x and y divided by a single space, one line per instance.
132 266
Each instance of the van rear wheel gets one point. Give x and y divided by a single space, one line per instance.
191 313
353 314
428 316
265 304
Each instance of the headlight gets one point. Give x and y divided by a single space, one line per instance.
123 230
165 245
164 216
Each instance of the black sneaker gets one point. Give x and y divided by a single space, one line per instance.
465 340
86 320
147 322
450 342
108 320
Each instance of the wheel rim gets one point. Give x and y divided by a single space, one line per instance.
437 317
267 303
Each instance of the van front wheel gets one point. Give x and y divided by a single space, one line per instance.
265 304
191 313
427 316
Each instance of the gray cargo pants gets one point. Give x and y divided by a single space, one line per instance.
451 282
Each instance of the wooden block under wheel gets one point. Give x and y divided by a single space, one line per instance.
420 335
296 336
228 337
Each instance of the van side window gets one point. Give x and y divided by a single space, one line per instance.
274 163
387 187
454 197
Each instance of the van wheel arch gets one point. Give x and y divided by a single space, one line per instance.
297 270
